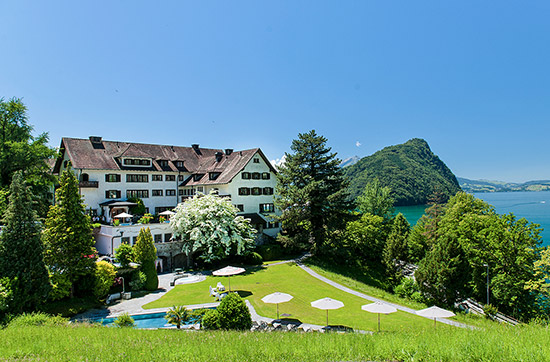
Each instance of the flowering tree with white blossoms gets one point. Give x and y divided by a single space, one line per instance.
209 225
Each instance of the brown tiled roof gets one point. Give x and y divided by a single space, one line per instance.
106 155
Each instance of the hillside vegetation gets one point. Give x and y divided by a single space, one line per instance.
410 169
500 186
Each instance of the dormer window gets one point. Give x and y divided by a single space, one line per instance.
198 177
162 163
136 162
213 175
179 164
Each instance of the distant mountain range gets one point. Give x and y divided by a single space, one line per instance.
349 161
500 186
411 170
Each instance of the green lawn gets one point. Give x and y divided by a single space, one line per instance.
291 279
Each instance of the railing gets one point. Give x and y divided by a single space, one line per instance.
91 184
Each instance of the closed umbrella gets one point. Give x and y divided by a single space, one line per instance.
380 308
227 272
276 298
326 304
435 312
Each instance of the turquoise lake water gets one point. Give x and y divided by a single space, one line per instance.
534 206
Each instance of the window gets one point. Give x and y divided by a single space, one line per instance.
136 162
213 175
268 190
162 163
142 194
243 191
167 238
200 189
125 240
198 176
111 177
134 240
179 164
84 177
137 178
170 192
188 192
272 225
112 194
266 176
158 238
256 160
255 175
240 207
156 177
170 178
267 208
245 175
180 178
156 193
256 191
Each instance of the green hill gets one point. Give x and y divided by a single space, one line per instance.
411 170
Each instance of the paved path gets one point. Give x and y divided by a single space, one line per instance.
373 299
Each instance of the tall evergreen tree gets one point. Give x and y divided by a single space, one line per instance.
146 254
312 192
68 234
21 250
396 249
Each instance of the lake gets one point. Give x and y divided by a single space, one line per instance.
534 206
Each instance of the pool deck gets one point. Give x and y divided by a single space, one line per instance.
135 305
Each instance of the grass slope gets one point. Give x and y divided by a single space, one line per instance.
291 279
498 343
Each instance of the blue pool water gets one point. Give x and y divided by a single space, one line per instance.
152 320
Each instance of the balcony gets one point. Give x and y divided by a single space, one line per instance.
89 184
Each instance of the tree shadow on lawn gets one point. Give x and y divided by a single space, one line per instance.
243 293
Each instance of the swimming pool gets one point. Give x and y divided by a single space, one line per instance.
144 321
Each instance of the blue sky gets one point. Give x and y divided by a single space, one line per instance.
470 77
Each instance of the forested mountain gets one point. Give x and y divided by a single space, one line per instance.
500 186
411 170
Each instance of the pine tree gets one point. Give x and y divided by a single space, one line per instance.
21 250
68 234
312 192
396 248
146 255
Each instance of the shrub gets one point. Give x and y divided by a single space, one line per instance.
145 219
490 311
406 288
37 319
124 255
104 278
138 281
61 286
124 320
270 251
177 315
211 320
233 313
151 278
254 258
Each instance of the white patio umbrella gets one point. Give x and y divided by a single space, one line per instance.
326 304
123 215
227 272
435 312
167 213
276 298
380 308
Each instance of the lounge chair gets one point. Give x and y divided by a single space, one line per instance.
220 287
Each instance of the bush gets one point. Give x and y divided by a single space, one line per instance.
151 278
61 286
254 258
490 311
145 219
124 255
233 313
104 278
270 251
37 319
406 289
124 320
211 320
138 281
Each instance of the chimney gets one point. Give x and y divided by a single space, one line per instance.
228 151
219 156
196 148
